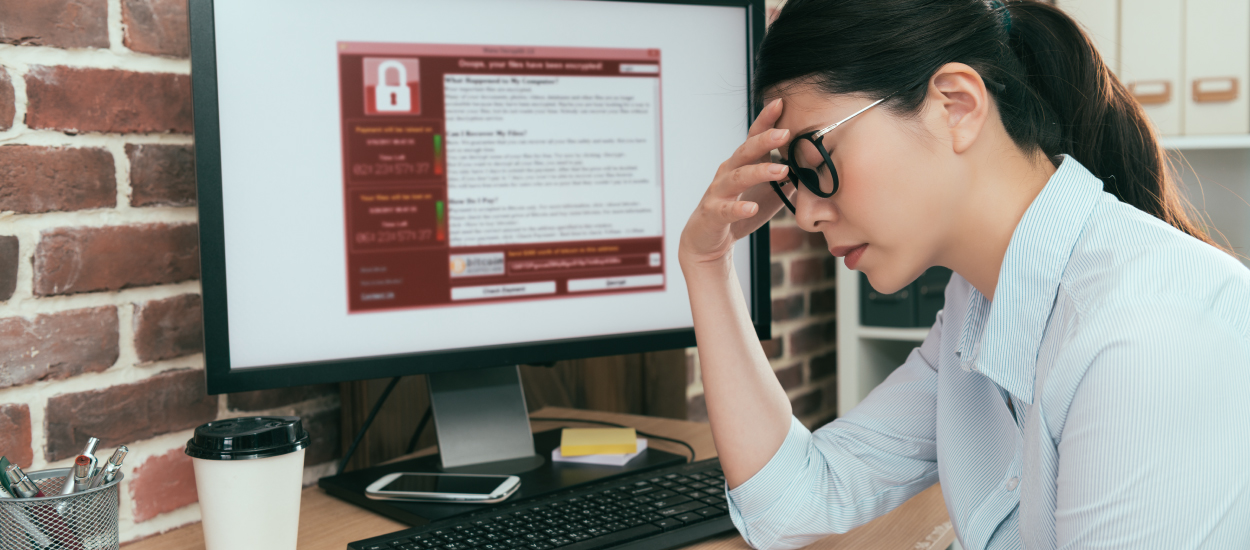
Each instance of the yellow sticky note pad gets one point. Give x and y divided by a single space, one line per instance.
598 441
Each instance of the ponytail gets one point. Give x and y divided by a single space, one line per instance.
1058 95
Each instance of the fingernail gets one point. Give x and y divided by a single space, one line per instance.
777 169
775 103
751 208
779 134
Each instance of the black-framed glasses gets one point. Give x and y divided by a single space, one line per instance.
809 161
810 164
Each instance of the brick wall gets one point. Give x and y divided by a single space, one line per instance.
100 331
803 351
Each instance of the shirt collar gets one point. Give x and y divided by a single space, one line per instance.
1028 280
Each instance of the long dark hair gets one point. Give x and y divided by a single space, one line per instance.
1054 92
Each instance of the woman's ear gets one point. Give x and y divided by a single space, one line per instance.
959 103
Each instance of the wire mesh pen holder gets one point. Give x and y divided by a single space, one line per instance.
80 521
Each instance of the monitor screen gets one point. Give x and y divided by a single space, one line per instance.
400 178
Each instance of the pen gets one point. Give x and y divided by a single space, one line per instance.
82 473
21 484
88 452
110 469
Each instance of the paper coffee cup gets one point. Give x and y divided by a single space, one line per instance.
249 473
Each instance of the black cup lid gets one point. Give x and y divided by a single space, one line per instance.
247 438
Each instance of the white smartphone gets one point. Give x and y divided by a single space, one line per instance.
446 488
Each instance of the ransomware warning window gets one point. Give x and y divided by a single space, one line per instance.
474 174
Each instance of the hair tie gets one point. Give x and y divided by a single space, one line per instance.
996 4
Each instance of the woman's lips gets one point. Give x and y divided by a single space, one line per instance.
851 253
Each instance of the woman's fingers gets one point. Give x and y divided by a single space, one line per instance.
756 147
731 212
742 178
767 118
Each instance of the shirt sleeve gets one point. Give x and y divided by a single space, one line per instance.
1154 448
853 469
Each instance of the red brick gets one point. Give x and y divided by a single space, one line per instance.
807 403
805 271
817 241
58 23
773 349
107 100
824 301
9 249
824 366
156 27
124 414
790 377
324 429
43 179
777 274
161 175
15 434
57 345
785 238
831 268
260 400
8 105
169 328
163 483
811 338
86 259
696 409
790 307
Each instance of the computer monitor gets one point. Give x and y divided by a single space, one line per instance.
393 187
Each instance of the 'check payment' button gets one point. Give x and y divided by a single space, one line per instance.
611 283
502 291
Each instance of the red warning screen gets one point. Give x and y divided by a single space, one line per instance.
476 174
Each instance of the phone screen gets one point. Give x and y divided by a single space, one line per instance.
427 483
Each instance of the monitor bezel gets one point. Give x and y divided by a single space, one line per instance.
221 378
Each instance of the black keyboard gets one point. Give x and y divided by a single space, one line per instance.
656 509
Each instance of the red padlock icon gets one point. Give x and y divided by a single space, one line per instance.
388 98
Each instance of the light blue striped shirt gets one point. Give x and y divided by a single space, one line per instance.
1122 344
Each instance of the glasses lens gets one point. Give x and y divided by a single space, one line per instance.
811 168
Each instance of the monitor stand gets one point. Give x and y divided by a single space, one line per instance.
483 428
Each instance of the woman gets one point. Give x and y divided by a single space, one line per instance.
1084 386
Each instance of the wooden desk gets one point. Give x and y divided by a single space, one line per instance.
327 523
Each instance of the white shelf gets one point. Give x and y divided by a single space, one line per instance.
866 355
1180 143
889 333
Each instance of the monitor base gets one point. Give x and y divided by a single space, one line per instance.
549 477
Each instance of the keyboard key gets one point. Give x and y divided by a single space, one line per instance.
670 502
710 512
660 495
619 537
689 517
668 524
539 546
681 508
712 500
